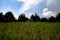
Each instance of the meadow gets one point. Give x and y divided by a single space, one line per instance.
29 31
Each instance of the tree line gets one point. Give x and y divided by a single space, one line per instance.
9 17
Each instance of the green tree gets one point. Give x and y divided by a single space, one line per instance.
1 17
22 18
58 17
51 19
35 18
44 20
8 17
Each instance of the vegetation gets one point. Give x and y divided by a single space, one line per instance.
9 17
35 28
35 18
29 31
22 18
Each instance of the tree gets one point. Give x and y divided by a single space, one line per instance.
35 18
9 17
1 17
32 18
58 17
51 19
44 20
22 18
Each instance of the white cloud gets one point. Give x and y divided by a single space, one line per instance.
47 13
28 4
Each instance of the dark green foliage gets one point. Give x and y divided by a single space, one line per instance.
32 18
1 17
35 18
51 19
58 17
44 20
8 17
22 18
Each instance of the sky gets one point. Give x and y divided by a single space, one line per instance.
44 8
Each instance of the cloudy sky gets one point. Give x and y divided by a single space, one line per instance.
44 8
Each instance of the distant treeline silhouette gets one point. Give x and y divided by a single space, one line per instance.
9 17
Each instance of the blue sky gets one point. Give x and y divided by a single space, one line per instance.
44 8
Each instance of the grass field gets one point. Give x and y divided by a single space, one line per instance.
29 31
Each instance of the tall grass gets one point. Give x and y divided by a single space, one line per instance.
29 31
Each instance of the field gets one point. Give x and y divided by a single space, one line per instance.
29 31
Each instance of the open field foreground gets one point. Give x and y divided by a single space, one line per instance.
29 31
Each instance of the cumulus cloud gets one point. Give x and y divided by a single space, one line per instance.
47 13
27 4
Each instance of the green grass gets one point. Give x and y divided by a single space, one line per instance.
29 31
